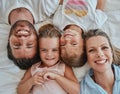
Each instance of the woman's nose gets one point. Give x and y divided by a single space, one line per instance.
100 53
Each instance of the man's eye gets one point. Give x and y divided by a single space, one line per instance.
62 44
16 45
30 45
74 43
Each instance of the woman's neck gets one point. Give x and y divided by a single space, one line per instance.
105 80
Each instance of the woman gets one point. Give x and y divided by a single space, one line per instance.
104 75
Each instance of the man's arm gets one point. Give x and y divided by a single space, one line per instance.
100 4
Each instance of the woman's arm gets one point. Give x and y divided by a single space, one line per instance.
100 4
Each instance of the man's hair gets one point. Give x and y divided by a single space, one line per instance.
19 10
74 60
22 63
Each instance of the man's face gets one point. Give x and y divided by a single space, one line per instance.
72 41
23 41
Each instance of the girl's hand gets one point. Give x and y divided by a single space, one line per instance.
38 79
50 76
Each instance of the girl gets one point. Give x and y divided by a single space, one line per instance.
50 75
104 75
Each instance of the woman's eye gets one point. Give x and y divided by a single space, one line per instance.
105 47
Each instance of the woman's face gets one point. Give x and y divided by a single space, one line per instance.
99 53
23 41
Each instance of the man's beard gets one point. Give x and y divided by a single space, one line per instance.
25 63
82 60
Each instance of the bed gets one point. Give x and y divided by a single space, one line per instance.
10 74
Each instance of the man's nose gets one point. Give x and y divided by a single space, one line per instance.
22 37
68 37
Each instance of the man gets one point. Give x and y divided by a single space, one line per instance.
22 44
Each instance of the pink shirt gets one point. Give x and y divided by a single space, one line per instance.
50 86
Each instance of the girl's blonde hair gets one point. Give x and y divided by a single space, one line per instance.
49 30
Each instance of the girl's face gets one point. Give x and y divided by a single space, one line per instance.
99 53
49 51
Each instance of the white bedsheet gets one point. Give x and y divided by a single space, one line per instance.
10 74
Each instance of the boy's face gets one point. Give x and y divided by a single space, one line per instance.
49 50
23 41
71 41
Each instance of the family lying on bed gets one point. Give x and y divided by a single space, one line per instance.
76 48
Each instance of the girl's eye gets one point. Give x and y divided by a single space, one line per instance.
55 50
43 50
91 50
74 43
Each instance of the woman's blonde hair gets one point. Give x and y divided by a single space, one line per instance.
115 50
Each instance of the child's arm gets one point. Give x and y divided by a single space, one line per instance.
28 82
100 4
68 81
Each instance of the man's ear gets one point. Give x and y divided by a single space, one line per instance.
60 2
